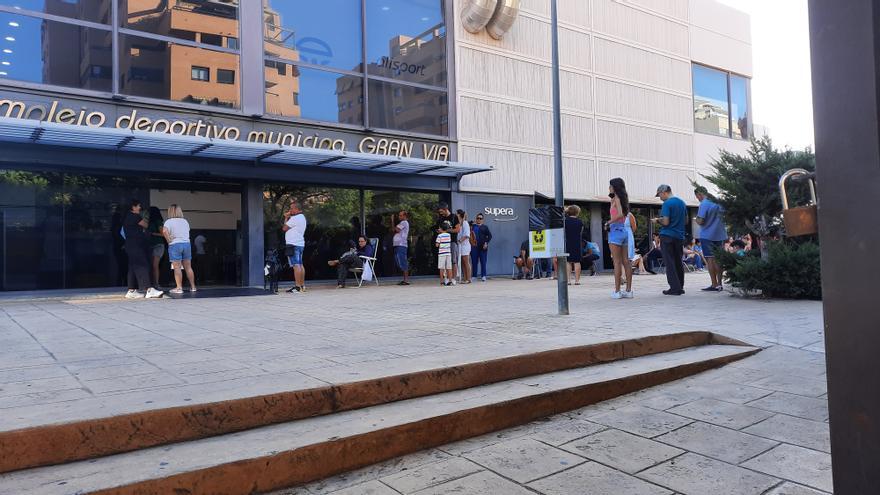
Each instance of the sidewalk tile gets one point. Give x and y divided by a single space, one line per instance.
368 488
789 429
717 442
621 450
594 479
482 483
792 489
794 405
524 459
559 430
641 421
693 474
804 466
413 480
721 413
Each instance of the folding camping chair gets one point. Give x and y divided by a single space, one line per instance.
369 263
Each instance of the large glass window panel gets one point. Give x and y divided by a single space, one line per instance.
85 10
158 69
191 20
32 217
407 108
382 208
49 52
711 114
406 40
326 32
332 216
293 91
739 106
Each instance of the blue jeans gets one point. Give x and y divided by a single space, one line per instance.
296 259
480 256
400 257
180 251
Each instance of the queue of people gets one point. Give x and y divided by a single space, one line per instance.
146 235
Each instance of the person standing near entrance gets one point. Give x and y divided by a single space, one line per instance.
157 242
444 254
176 232
481 236
401 245
134 226
673 217
710 218
619 233
445 215
464 246
295 243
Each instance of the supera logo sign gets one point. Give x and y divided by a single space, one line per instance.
500 214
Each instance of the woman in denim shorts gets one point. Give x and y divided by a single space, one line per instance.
176 231
619 235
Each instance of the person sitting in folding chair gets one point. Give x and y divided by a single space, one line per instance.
351 259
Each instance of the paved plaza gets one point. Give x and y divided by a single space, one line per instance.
753 427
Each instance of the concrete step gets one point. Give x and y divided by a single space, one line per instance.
288 454
66 432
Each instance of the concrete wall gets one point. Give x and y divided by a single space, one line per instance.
626 95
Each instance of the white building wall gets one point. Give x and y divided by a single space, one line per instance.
626 96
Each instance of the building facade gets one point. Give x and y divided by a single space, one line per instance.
357 108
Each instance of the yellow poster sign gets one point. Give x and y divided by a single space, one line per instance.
539 241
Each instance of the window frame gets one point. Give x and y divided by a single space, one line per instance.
222 71
194 69
728 75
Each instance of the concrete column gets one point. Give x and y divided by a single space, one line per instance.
596 227
253 248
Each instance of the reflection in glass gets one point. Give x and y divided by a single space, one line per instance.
406 40
84 10
313 94
158 69
739 106
711 101
205 21
50 52
405 108
326 32
381 209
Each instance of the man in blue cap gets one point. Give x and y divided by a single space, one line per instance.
673 218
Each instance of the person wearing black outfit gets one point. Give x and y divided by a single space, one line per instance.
137 249
351 259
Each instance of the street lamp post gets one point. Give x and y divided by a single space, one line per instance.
562 262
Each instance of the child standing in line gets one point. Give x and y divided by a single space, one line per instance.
444 254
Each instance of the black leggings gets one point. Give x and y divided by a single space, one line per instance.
138 267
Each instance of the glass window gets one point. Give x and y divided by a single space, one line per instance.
157 69
84 10
182 18
406 40
49 52
739 107
200 74
409 109
326 32
225 76
711 114
211 39
318 95
382 208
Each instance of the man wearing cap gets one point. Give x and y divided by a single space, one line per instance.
673 217
712 234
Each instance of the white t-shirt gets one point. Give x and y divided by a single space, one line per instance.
178 230
402 238
296 232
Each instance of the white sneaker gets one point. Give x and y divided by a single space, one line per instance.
483 279
133 294
454 282
616 295
626 294
154 294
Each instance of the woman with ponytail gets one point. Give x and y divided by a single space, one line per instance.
619 235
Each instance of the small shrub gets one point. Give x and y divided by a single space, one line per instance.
791 271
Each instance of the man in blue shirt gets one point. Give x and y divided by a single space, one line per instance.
712 235
673 217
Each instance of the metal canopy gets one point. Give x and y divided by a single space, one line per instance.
13 130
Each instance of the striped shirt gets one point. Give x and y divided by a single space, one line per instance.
444 243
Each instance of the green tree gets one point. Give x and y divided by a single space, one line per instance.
748 186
